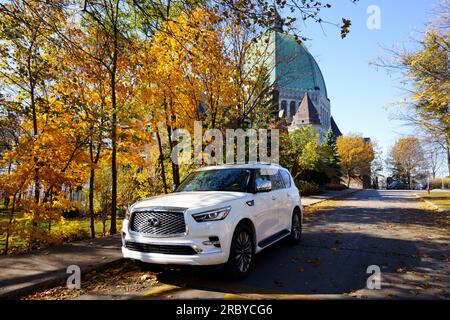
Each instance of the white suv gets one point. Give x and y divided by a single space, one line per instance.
218 215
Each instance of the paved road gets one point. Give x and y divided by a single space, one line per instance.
389 229
312 200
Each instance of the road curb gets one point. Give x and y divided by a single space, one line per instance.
431 204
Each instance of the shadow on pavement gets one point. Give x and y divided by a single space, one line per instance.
310 268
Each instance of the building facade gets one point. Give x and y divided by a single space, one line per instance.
298 82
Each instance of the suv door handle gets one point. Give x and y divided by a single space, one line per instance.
274 198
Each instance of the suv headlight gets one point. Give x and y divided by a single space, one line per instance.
212 215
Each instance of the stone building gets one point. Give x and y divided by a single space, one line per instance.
299 85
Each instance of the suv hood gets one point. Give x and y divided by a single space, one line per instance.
191 199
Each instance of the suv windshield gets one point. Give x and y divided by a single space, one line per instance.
237 180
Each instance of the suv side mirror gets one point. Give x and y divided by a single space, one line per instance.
263 185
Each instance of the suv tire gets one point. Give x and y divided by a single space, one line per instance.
296 228
241 253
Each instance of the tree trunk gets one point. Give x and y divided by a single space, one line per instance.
35 159
104 222
8 228
448 157
113 227
409 179
161 161
91 202
175 167
114 171
35 133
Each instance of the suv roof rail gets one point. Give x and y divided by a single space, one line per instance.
265 163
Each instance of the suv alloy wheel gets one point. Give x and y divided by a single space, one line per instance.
296 228
241 253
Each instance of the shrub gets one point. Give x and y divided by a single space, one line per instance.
307 188
73 231
335 186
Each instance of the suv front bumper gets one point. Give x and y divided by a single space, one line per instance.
200 259
202 254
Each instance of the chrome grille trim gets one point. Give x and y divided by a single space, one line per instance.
162 249
172 222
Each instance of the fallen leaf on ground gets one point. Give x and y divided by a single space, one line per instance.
315 262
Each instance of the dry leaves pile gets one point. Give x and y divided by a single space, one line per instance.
123 279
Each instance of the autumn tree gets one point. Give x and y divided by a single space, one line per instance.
115 36
194 71
25 68
47 141
377 167
83 84
300 151
407 160
356 155
434 153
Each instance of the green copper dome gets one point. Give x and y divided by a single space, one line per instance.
295 67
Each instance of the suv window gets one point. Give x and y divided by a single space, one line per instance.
277 182
261 177
217 180
270 175
286 178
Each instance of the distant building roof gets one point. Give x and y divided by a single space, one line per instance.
335 128
307 113
295 67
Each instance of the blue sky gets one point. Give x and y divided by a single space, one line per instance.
358 91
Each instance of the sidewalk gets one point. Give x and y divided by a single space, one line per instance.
309 201
24 273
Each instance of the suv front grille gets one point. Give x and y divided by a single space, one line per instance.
156 222
164 249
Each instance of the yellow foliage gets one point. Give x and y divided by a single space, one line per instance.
355 154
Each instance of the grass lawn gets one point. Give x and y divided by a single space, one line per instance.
441 199
16 244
